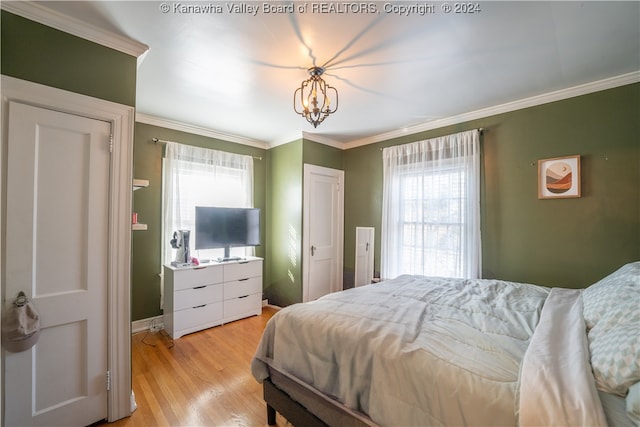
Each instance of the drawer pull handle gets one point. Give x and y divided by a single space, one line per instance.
243 280
200 287
244 296
243 262
199 268
200 306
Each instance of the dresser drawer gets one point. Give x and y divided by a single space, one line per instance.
241 288
188 298
238 308
242 270
193 277
199 317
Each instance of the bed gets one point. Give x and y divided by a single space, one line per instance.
426 351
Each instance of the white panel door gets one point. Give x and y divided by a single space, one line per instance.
364 256
323 231
57 253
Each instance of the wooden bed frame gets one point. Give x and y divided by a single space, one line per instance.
302 405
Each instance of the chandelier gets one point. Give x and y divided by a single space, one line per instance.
311 100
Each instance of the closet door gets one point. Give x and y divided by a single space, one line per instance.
57 248
322 232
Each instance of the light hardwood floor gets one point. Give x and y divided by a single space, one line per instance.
201 379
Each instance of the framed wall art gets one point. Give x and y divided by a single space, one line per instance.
559 177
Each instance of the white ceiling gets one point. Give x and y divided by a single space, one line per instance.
235 73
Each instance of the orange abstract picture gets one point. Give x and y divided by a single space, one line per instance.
559 177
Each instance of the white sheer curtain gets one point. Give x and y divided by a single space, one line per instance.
194 176
431 207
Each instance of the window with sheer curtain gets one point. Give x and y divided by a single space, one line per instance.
195 176
431 207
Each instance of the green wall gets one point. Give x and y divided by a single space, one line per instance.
567 242
283 272
362 202
147 202
322 155
561 242
41 54
283 277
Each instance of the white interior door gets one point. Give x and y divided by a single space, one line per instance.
57 253
364 256
322 231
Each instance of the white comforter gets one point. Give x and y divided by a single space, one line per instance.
557 383
411 351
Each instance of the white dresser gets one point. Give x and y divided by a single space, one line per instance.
211 294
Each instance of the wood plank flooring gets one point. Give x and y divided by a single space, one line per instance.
201 379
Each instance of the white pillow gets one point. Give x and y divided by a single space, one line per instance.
615 352
606 295
611 309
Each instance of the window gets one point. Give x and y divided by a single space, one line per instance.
431 213
432 221
195 176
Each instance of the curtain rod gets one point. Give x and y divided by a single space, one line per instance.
162 141
481 130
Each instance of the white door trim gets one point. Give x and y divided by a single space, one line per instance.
122 119
308 170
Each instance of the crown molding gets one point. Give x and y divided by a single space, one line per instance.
198 130
289 137
39 13
297 135
610 83
559 95
322 140
51 18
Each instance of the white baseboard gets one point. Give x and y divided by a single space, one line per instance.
151 323
156 323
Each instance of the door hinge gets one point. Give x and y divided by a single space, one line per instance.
111 143
108 382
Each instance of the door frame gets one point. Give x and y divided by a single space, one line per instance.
122 120
308 170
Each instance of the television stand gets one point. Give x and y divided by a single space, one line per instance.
227 256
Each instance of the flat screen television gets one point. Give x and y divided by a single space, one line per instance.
218 227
